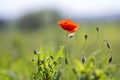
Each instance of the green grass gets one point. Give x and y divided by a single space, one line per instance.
16 47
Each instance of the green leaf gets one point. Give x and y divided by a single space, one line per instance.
41 52
61 52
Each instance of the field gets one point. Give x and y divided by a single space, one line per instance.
16 47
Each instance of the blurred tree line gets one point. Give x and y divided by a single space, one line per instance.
37 20
3 24
33 21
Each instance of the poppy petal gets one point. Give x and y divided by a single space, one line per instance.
69 25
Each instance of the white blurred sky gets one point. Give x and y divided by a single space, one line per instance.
15 8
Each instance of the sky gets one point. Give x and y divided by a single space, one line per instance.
10 9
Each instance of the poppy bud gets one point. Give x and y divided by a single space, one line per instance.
86 37
108 45
35 52
97 29
83 59
110 59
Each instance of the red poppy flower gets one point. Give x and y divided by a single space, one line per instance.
69 25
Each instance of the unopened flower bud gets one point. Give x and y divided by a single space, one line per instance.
108 45
35 52
97 29
86 37
110 59
83 59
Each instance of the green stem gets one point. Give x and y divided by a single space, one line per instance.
83 46
77 43
96 42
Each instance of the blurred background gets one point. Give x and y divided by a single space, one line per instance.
26 25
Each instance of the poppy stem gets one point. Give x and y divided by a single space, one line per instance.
108 51
67 35
71 60
77 43
83 45
97 37
96 41
67 51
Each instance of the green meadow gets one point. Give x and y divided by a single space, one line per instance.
17 47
